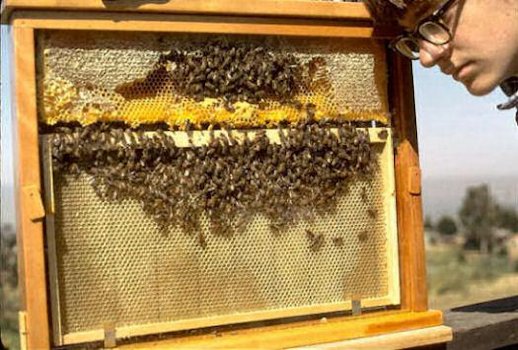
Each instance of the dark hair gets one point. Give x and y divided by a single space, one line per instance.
390 12
387 11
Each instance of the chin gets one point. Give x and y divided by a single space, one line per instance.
479 87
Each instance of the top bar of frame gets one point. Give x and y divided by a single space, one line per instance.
269 8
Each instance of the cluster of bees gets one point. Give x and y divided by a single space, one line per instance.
235 72
227 179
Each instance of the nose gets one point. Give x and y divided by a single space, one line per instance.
430 54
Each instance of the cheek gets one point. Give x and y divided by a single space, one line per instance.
468 38
481 37
472 32
481 47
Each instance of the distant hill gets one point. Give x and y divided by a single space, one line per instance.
444 195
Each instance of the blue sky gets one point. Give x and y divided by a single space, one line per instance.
462 135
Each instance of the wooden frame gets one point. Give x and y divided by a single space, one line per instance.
270 8
401 340
189 24
301 333
52 264
31 253
408 185
413 313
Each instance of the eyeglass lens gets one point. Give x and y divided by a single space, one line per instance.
408 47
434 33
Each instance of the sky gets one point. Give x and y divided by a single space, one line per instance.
463 141
461 135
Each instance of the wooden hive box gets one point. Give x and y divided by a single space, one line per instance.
93 270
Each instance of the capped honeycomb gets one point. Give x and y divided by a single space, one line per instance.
88 77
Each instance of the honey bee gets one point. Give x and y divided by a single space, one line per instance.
74 169
383 134
229 106
316 241
363 194
373 213
338 241
363 236
202 242
318 73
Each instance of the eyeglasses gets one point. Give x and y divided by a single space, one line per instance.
431 29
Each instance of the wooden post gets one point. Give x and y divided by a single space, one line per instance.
30 225
408 187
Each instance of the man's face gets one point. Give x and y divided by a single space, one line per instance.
484 49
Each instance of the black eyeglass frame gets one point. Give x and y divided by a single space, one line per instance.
416 35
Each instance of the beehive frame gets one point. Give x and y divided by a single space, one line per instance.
258 17
384 236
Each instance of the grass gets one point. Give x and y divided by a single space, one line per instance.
9 319
9 296
10 338
457 277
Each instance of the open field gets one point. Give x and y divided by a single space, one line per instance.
457 277
478 291
9 320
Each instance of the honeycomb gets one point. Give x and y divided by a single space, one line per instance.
114 264
88 77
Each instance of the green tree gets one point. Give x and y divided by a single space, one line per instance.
428 223
446 226
507 217
8 263
478 215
